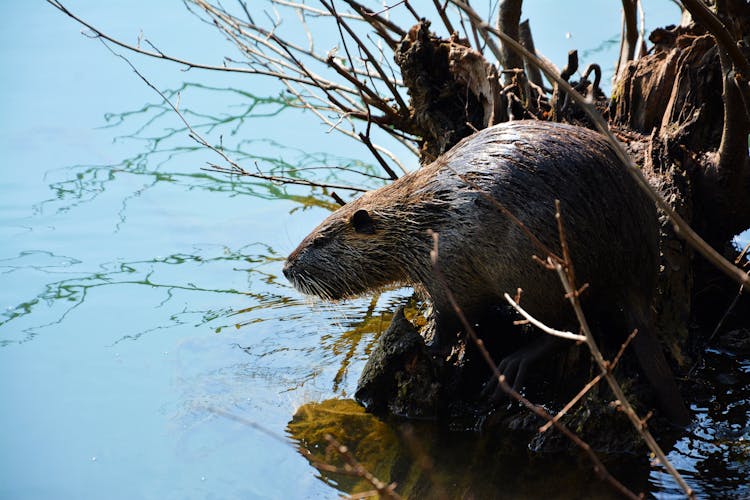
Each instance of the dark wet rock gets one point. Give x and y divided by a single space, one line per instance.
400 377
403 379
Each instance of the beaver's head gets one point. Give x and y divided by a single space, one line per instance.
350 253
377 240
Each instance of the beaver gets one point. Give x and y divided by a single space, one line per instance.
382 238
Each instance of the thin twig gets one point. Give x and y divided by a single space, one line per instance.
546 329
157 54
354 468
368 14
337 198
444 17
388 170
560 414
622 349
592 383
742 254
237 170
729 310
394 91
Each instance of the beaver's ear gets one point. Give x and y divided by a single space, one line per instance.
362 222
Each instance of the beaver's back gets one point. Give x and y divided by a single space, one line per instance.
610 224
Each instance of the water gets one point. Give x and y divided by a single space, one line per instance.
142 301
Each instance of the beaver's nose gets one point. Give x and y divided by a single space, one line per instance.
286 269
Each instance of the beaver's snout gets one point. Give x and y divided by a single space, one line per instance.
292 273
291 261
288 268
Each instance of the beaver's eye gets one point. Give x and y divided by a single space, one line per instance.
362 222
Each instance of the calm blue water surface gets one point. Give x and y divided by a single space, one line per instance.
140 294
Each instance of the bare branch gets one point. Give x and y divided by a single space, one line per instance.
372 16
444 17
312 10
160 55
622 349
508 19
629 37
354 468
402 104
388 170
475 34
525 38
560 414
368 96
546 329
